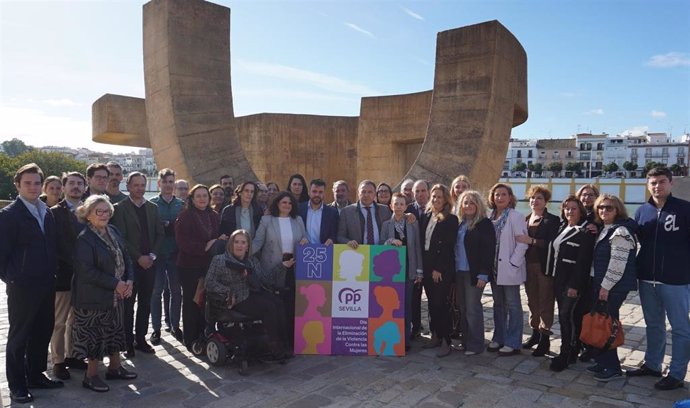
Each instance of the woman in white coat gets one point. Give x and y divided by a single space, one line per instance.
276 239
509 270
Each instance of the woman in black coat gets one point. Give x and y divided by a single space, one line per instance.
475 252
103 278
569 262
438 258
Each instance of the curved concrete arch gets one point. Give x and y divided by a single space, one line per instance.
462 126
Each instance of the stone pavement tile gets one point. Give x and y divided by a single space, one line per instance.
495 378
520 397
454 399
537 379
527 366
531 385
434 404
311 401
610 401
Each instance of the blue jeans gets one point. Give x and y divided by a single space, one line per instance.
469 300
508 319
659 302
609 359
166 276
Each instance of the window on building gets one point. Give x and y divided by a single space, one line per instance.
529 153
570 154
589 146
600 146
519 153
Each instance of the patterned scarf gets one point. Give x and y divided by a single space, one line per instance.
499 224
400 227
116 252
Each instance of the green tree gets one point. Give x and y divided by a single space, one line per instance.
574 167
675 169
15 147
520 167
555 168
50 163
650 165
630 166
538 168
611 167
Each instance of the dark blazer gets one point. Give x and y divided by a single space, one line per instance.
329 221
94 282
441 254
480 247
191 238
28 256
68 228
545 233
229 219
571 267
127 222
415 209
351 223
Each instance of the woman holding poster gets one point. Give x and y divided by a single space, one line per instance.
439 264
397 231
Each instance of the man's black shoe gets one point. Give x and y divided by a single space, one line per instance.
144 347
177 333
44 382
21 396
60 371
75 363
642 371
668 383
156 338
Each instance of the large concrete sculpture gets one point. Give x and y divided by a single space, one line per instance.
462 126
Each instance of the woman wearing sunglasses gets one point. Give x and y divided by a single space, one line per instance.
613 271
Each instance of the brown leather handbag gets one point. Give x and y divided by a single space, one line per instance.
600 330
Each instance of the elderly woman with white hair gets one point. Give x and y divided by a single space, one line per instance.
103 278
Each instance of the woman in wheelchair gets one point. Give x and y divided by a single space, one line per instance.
235 281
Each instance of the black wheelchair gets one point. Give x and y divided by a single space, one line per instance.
236 337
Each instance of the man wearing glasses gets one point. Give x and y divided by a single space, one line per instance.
97 176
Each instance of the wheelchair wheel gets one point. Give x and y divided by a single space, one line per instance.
198 347
216 352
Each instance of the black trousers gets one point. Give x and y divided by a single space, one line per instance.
571 325
268 308
416 308
144 279
439 308
31 312
287 295
193 321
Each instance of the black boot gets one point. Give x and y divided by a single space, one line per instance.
532 340
559 363
543 347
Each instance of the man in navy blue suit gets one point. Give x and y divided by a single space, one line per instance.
320 221
28 265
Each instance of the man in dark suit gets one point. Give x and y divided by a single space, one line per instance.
320 221
28 263
340 195
68 228
142 230
361 222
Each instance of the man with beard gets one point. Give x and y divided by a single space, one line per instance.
340 193
113 189
321 221
68 228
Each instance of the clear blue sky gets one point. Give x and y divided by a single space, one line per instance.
600 66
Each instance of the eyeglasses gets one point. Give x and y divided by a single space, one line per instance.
100 212
606 207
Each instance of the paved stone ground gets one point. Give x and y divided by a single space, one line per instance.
175 378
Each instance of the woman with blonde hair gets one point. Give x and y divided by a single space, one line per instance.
509 270
438 259
474 260
457 187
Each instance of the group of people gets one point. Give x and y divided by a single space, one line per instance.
77 255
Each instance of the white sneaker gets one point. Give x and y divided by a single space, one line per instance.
470 353
495 345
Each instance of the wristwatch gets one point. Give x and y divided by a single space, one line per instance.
153 256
